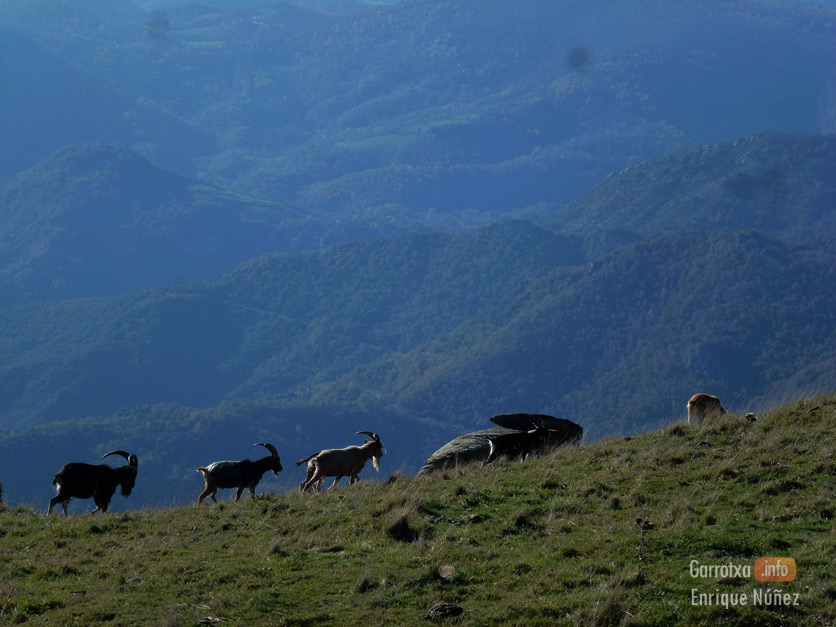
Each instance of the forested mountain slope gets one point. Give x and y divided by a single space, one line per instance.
778 184
617 346
99 220
621 345
49 102
96 220
457 327
277 325
425 335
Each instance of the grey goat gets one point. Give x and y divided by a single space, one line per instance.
241 474
83 481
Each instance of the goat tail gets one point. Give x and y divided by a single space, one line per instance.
306 460
203 470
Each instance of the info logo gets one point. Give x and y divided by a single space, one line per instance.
775 569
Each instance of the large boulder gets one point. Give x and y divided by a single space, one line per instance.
474 446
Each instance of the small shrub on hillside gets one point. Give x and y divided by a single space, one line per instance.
522 569
364 584
399 528
520 522
432 507
611 609
395 477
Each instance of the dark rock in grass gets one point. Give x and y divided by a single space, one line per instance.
474 446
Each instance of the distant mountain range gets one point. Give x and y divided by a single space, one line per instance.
49 102
778 184
94 220
432 333
427 108
98 220
287 223
617 346
277 324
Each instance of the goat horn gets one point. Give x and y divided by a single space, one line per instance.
373 436
269 447
124 454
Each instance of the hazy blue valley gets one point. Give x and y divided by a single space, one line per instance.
231 222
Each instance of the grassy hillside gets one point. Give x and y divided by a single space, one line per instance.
543 542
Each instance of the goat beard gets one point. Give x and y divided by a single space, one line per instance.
376 462
127 487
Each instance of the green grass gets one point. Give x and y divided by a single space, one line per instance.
542 542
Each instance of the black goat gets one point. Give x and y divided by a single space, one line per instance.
83 481
243 474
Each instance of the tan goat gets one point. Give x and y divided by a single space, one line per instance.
703 406
342 462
